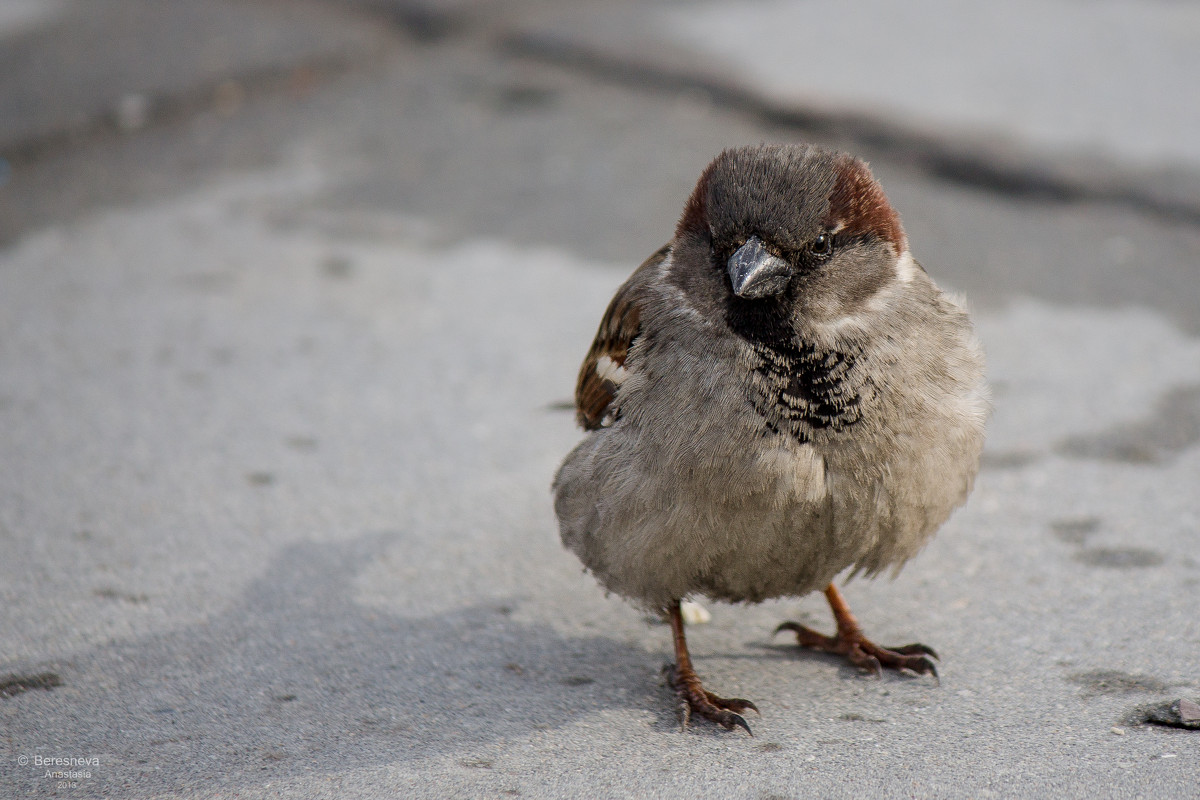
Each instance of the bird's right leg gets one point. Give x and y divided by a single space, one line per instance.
693 697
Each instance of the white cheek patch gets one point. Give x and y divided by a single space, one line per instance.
664 269
906 267
683 306
906 270
611 371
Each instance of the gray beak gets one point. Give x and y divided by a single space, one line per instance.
755 273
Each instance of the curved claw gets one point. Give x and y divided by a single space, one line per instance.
807 637
728 719
914 649
695 699
866 661
926 667
921 665
795 627
735 704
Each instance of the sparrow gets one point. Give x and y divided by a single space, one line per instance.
778 395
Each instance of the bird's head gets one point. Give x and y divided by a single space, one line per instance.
793 226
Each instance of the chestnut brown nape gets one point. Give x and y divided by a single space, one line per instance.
860 206
695 212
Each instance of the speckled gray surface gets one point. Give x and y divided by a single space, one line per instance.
278 433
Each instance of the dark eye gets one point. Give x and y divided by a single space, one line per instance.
822 245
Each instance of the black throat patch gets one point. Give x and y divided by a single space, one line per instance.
796 387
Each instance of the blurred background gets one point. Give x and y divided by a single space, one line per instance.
292 295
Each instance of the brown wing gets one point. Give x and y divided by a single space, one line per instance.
618 329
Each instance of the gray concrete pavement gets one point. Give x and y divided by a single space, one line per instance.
279 407
1109 77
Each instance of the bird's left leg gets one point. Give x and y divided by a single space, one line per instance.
693 697
857 648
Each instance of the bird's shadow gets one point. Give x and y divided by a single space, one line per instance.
298 678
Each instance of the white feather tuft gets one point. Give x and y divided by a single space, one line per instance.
611 371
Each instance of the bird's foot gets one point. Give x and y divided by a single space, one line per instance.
865 654
695 699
